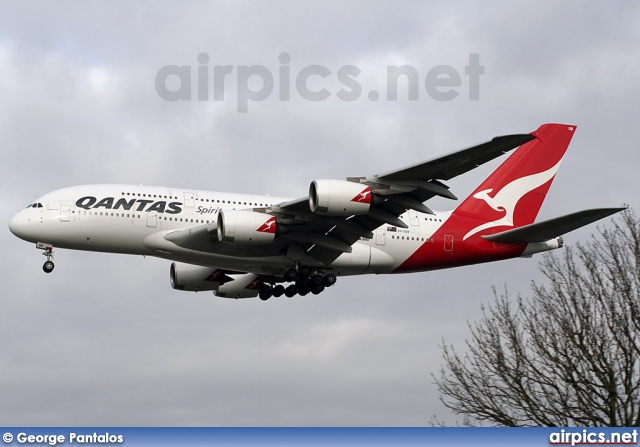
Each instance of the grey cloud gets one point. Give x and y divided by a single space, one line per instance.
105 341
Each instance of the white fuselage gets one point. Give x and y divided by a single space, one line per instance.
134 220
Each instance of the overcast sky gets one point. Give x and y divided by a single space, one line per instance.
104 340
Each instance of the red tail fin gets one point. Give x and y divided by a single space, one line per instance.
513 194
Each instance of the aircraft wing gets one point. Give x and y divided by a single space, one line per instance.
325 238
457 163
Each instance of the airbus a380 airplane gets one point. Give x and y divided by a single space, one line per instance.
241 246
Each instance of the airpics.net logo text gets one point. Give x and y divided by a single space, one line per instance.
253 83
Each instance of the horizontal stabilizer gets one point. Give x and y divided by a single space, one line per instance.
549 229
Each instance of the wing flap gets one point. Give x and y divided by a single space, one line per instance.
549 229
328 242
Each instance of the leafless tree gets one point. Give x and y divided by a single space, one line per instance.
568 355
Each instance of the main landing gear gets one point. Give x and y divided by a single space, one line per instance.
305 281
48 252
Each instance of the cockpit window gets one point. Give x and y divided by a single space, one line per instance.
35 205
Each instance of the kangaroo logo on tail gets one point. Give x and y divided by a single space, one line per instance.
508 197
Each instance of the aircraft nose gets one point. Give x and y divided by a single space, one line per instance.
16 226
13 225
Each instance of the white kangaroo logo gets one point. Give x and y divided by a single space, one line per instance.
508 197
362 196
266 227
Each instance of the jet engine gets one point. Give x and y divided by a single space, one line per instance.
242 227
193 278
339 198
244 285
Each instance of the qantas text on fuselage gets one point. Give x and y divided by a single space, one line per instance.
241 246
125 204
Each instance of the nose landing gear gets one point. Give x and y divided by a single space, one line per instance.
48 252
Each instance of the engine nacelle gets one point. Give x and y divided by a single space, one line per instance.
242 227
193 278
339 198
245 285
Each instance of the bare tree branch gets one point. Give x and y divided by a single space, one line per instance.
567 355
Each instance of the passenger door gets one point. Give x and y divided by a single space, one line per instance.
65 213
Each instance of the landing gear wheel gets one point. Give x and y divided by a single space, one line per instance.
305 271
329 280
48 266
291 291
317 289
290 275
278 291
316 280
303 286
265 292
